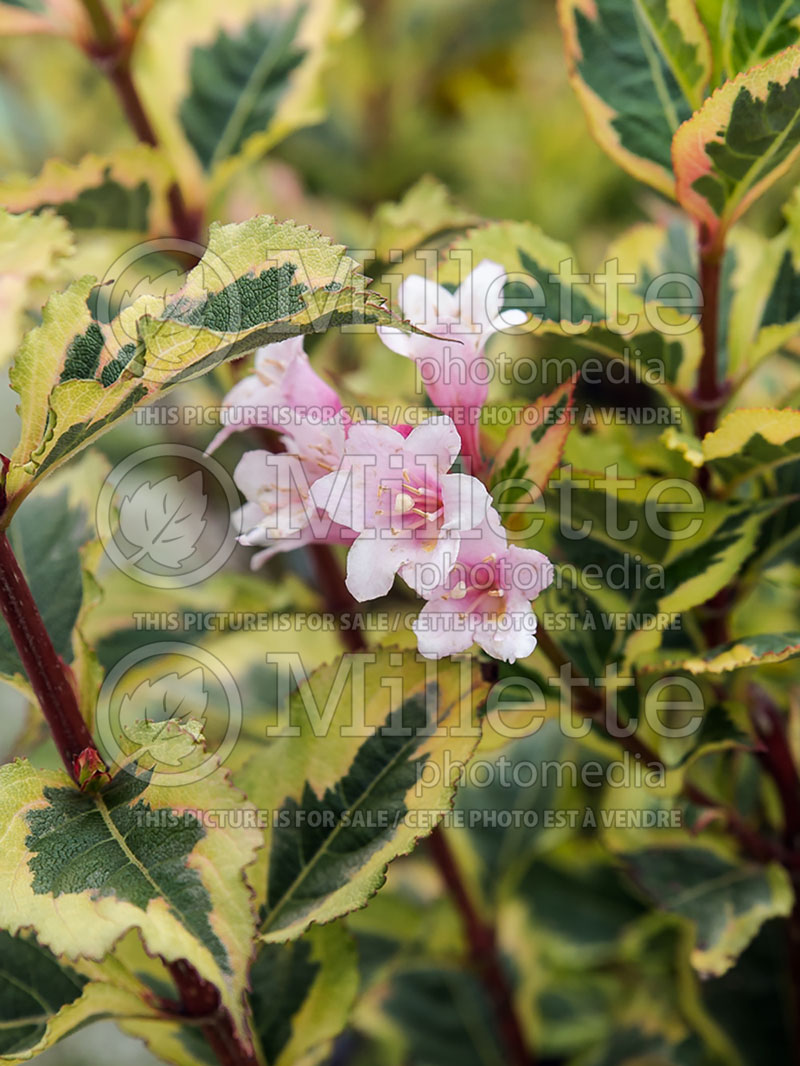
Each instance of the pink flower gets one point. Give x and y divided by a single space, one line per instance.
456 372
283 389
485 599
409 512
280 512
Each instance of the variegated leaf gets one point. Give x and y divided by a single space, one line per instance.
301 995
223 83
758 650
752 441
83 869
640 68
259 281
124 191
726 902
44 998
364 777
533 448
740 141
743 34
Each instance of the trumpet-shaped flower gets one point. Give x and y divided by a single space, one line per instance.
280 511
452 364
485 599
397 493
282 391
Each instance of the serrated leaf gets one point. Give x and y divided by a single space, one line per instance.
740 141
758 650
31 248
639 68
726 902
346 805
533 448
259 281
124 191
750 441
224 83
43 998
85 869
164 520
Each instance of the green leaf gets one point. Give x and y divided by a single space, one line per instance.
259 281
533 448
530 257
750 442
726 902
236 84
713 559
425 211
740 141
542 282
55 546
302 993
442 1015
124 191
639 68
348 791
223 85
758 650
83 869
751 1001
43 998
47 538
34 987
31 249
743 34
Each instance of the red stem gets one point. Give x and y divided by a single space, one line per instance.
710 393
49 675
483 952
335 593
110 50
776 757
50 679
200 999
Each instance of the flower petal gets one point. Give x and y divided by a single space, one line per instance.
370 567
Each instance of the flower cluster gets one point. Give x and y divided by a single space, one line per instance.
392 493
